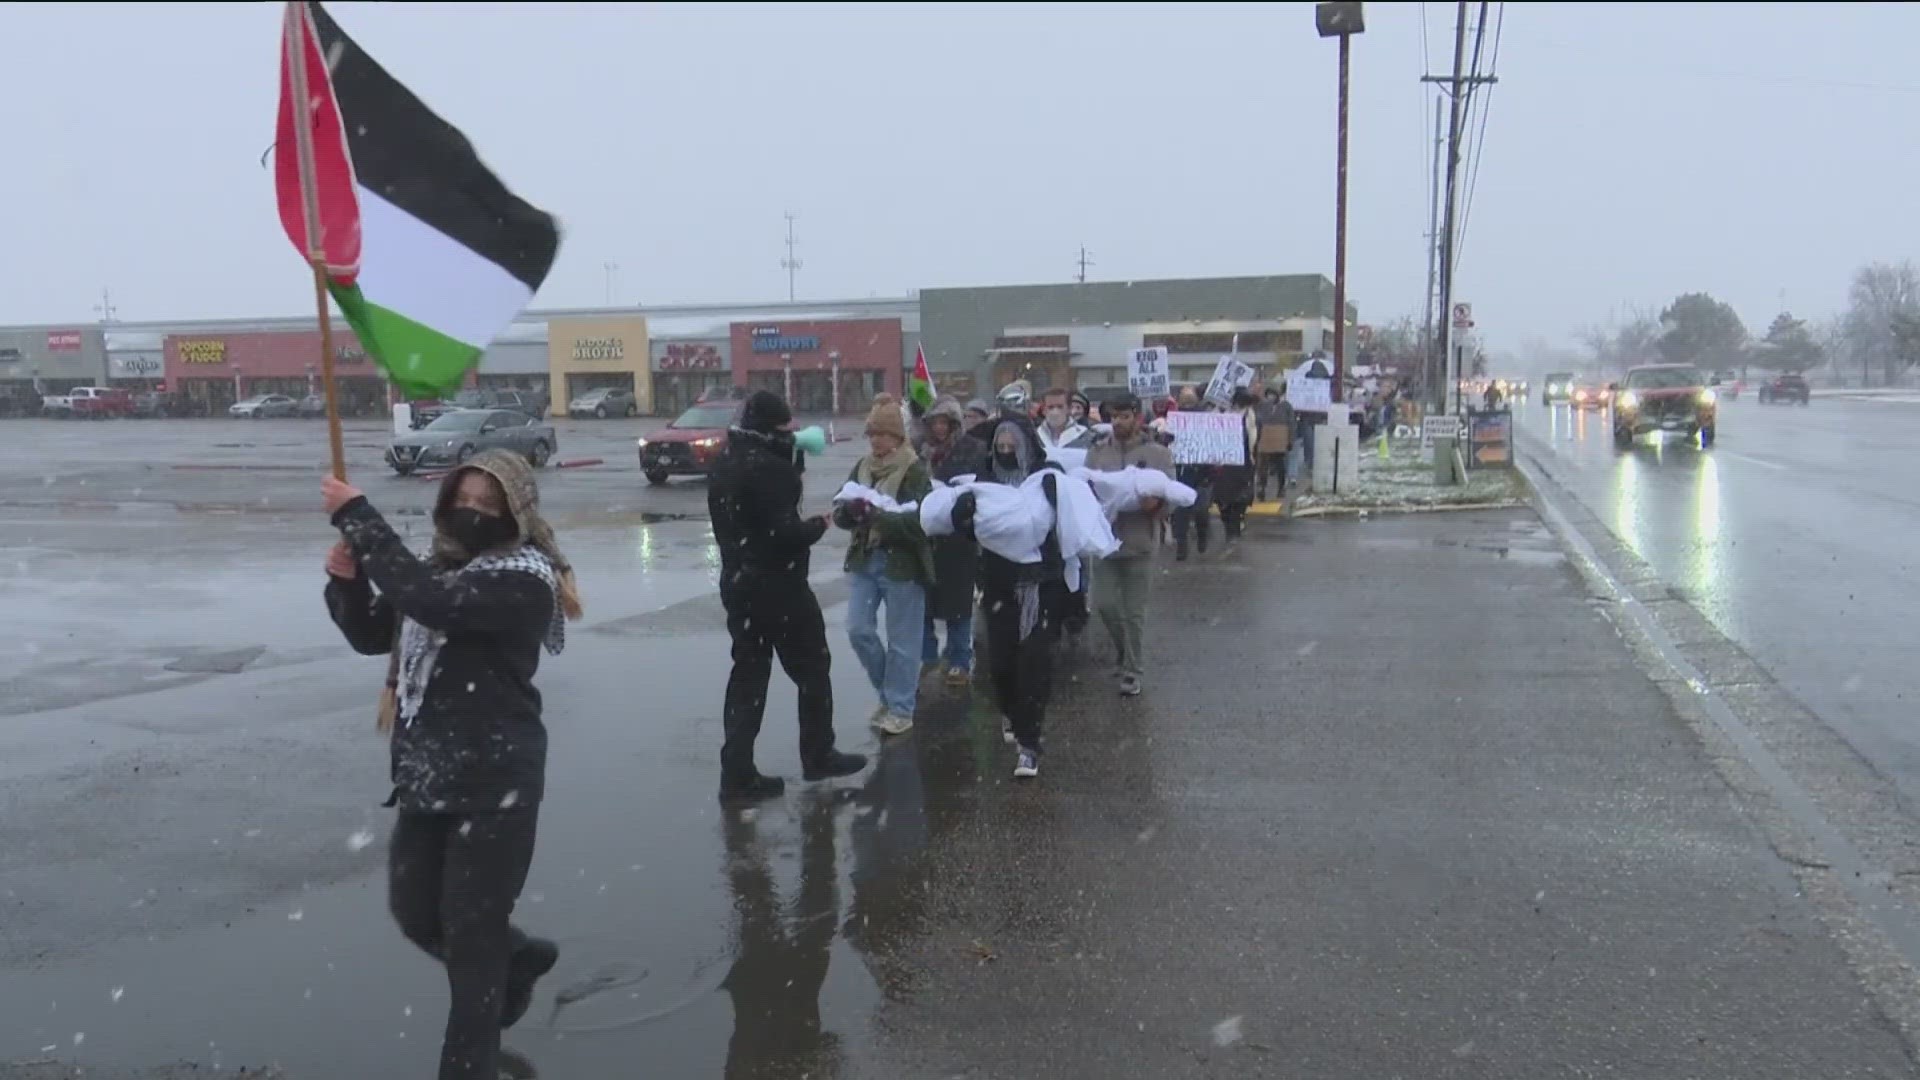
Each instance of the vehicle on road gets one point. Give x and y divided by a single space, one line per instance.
1727 384
1784 388
456 436
690 445
311 407
264 406
1590 395
604 402
524 401
1557 388
96 403
1671 399
155 404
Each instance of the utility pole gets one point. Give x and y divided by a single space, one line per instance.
1460 84
1084 263
612 270
105 307
791 264
1428 337
1340 20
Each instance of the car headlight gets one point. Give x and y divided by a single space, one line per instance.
1707 396
1629 399
642 444
706 444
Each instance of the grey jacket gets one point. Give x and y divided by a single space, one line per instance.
1138 533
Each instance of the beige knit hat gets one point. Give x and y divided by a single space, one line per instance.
886 417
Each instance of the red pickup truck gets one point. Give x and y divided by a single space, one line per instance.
99 402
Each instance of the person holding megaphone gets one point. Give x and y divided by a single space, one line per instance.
765 553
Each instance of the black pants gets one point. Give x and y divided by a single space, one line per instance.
1023 669
1198 517
1233 519
452 880
1274 465
768 614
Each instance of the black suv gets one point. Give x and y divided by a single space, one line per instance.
1784 388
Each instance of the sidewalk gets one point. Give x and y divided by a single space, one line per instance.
1396 803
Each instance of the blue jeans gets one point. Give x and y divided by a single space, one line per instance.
959 642
893 666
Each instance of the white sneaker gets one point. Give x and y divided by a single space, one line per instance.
1006 732
890 724
1027 766
878 716
1129 686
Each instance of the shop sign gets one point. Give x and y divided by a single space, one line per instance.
63 340
769 339
208 351
9 355
690 358
606 348
347 354
135 366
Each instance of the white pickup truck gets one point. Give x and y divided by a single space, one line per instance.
56 404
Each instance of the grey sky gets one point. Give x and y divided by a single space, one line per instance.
1634 151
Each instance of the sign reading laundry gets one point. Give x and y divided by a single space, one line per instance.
1208 438
769 339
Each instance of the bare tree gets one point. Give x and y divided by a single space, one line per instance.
1627 338
1880 293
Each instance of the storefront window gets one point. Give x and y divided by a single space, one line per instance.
581 382
676 391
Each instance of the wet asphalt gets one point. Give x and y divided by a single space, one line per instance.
1397 802
1793 537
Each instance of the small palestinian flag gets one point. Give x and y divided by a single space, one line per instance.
428 254
921 389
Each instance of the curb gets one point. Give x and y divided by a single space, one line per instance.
1406 508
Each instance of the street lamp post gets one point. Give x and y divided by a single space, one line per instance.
833 359
1341 19
786 378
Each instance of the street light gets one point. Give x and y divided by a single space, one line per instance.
1340 19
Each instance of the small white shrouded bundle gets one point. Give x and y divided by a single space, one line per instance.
852 492
1120 492
1013 522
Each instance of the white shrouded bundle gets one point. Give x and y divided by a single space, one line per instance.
852 492
1120 492
1013 522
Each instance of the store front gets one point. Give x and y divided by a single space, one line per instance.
36 361
514 365
208 372
818 364
589 354
685 371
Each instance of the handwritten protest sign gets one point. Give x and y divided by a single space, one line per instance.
1208 438
1308 394
1228 375
1147 373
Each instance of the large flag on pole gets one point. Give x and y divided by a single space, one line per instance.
428 255
921 391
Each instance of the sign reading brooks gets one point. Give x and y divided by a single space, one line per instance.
606 348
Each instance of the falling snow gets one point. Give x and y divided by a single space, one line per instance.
1228 1031
118 993
360 841
296 914
510 800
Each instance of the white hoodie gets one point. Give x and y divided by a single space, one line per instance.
1069 435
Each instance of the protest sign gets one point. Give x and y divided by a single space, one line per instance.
1228 375
1148 376
1208 438
1307 393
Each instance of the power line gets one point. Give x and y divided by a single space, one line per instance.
1084 261
791 264
1480 139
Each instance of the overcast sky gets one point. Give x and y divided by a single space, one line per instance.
1632 151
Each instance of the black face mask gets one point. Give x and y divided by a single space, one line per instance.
476 531
1006 459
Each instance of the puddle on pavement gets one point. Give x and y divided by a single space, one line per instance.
697 939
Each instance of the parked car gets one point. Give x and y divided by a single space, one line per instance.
689 445
58 405
99 402
1667 398
604 402
263 406
154 404
311 406
1784 388
456 436
525 401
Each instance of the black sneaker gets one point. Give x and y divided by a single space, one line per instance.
834 764
530 961
751 788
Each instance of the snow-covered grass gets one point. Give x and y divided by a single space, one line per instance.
1403 480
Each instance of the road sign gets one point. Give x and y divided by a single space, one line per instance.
1438 427
1463 316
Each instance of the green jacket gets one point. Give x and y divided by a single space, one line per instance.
909 555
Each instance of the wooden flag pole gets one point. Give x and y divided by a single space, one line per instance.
295 44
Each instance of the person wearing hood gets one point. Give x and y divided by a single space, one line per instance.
1233 485
1195 519
1024 602
463 630
766 547
976 413
1058 429
950 452
1078 408
890 564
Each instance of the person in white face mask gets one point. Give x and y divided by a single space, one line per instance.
1058 429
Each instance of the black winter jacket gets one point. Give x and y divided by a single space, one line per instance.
998 576
753 497
477 742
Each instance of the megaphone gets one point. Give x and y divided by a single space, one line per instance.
813 440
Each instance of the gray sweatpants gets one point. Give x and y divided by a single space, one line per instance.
1120 587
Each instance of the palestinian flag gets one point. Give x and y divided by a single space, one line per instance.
428 255
921 389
